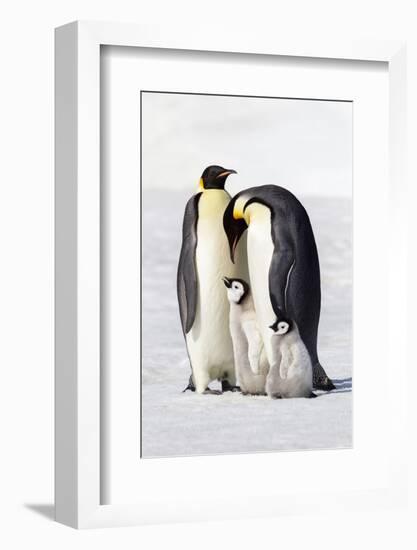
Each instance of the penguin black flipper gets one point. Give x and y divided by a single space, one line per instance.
282 265
187 284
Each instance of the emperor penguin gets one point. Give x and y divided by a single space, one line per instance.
203 304
283 264
250 360
291 371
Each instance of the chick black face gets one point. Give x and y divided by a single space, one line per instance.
214 177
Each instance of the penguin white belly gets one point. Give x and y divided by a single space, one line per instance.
209 342
260 249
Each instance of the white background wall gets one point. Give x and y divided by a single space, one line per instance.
26 275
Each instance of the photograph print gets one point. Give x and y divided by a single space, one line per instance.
246 278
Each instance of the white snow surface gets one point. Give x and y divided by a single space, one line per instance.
185 424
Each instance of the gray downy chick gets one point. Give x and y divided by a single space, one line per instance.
250 359
291 372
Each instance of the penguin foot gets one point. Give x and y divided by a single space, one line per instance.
209 391
312 395
324 385
226 386
190 386
320 379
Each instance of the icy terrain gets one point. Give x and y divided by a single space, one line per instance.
176 423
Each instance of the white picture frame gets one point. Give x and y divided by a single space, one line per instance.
78 410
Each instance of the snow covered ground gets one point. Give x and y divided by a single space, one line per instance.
176 423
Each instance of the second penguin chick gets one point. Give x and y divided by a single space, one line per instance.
291 373
250 359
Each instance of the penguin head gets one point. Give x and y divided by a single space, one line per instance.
214 177
237 289
282 326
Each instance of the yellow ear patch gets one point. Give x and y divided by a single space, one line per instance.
237 213
239 210
201 184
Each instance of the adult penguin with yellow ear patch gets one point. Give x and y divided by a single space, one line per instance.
203 304
283 264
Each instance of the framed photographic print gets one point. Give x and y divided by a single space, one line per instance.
308 144
229 220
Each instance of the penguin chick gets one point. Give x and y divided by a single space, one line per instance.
250 360
291 372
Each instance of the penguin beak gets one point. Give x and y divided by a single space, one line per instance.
227 282
226 173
